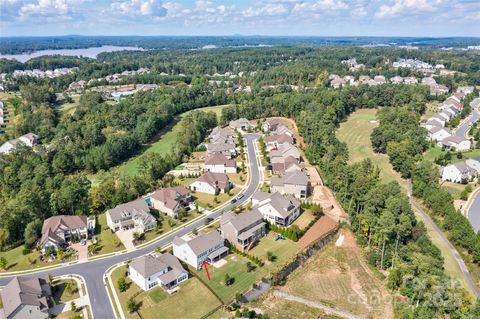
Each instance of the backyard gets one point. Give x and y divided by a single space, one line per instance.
192 300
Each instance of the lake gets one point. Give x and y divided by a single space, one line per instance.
88 52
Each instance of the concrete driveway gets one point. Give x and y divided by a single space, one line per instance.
82 251
126 237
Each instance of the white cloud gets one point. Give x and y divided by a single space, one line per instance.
270 9
399 7
132 8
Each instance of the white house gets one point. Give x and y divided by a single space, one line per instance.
295 183
438 133
276 208
436 120
59 230
28 139
162 270
456 143
458 173
208 247
211 183
218 163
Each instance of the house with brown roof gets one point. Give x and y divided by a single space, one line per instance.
294 183
209 247
59 230
25 298
153 270
131 215
170 200
211 183
218 163
438 89
270 125
285 150
243 230
290 164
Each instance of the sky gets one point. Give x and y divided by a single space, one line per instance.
429 18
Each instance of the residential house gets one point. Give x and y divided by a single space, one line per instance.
337 83
458 173
28 139
24 298
222 148
410 80
241 124
170 200
429 81
448 103
396 80
162 270
58 230
466 89
281 153
436 120
243 230
270 125
363 79
131 215
222 135
474 163
277 140
218 163
276 208
379 79
438 133
290 164
211 183
209 247
438 89
456 143
295 183
281 130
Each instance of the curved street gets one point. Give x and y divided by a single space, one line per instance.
93 271
473 287
473 213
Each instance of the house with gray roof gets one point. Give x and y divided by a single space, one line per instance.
294 183
276 208
58 230
458 173
285 150
131 215
475 103
163 270
226 149
209 247
211 183
456 143
270 125
25 298
28 139
243 230
241 124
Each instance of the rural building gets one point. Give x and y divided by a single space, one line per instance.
208 247
276 208
162 270
294 183
170 200
131 215
57 231
211 183
26 298
218 163
243 230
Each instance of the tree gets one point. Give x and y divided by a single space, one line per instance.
250 267
122 284
68 287
3 263
32 232
132 305
73 306
228 280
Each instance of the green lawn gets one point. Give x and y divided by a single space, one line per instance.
60 294
69 108
236 267
434 152
16 261
355 132
193 300
304 219
107 240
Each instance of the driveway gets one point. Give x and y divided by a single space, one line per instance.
82 251
126 237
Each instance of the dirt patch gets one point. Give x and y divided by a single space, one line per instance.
322 227
324 196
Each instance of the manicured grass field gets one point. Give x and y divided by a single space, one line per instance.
107 240
60 294
192 300
17 261
236 267
355 132
434 152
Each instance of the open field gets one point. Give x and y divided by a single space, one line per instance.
285 309
192 300
340 277
355 132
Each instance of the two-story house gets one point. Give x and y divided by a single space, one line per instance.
131 215
170 200
276 208
59 230
242 230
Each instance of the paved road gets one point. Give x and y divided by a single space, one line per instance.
473 213
93 271
462 129
453 250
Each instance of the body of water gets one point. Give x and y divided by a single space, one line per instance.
88 52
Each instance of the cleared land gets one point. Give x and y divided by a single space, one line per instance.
355 132
192 300
339 277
